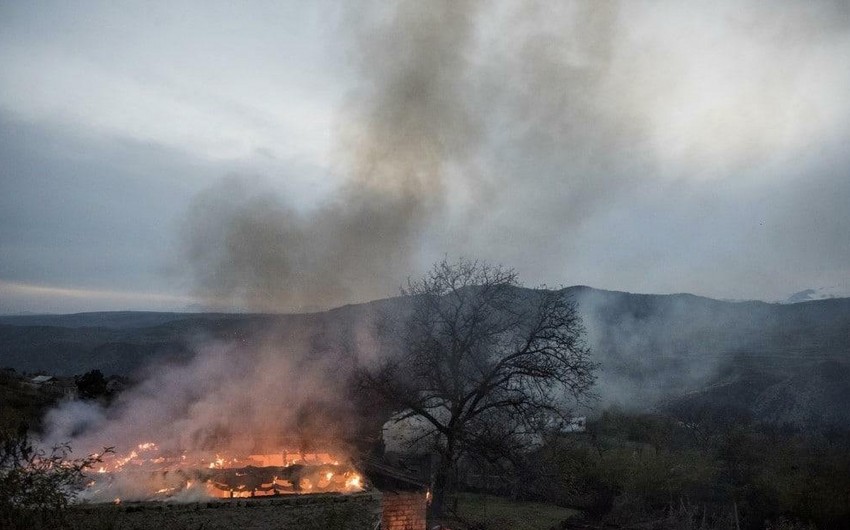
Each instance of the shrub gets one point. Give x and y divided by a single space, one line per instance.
36 485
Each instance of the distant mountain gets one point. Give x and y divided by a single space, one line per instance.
821 293
110 319
785 363
124 343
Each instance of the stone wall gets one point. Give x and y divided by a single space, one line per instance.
404 511
359 511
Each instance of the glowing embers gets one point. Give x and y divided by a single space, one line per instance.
277 480
146 473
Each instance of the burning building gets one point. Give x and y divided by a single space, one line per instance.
235 434
282 489
148 474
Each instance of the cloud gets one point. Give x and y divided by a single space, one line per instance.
619 144
217 82
22 297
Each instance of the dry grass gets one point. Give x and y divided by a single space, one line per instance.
487 512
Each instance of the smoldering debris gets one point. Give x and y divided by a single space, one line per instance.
229 398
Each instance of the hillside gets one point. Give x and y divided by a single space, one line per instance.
782 363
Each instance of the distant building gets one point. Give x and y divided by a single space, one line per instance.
41 380
409 433
577 424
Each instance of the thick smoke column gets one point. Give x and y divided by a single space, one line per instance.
455 106
470 129
404 124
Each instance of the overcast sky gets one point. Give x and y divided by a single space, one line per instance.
277 156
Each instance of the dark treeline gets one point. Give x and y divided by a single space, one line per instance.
714 469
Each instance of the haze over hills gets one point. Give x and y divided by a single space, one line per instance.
780 363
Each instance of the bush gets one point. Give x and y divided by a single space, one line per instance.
37 485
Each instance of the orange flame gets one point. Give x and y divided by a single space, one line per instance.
225 475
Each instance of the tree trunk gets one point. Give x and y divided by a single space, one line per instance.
440 488
441 479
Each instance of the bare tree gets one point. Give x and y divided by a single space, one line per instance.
483 363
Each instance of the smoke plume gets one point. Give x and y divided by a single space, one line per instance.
402 126
270 392
579 141
454 109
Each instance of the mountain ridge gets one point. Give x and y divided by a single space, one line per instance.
654 350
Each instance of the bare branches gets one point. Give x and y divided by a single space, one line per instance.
36 485
485 361
476 339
